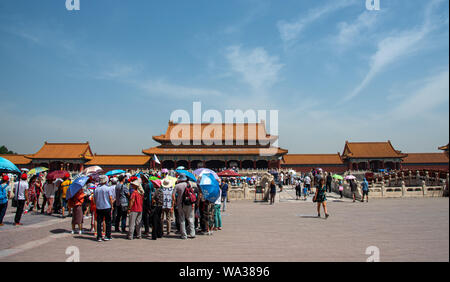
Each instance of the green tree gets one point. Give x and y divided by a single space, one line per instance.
5 151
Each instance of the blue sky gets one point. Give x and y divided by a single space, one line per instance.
114 71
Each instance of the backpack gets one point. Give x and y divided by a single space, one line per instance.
189 197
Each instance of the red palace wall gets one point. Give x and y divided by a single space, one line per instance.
308 168
425 167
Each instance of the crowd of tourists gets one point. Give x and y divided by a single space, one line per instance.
131 204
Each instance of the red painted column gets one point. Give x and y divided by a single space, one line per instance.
254 164
189 164
240 164
279 164
175 164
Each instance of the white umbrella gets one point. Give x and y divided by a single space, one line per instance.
350 177
92 169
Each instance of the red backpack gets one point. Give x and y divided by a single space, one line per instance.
189 197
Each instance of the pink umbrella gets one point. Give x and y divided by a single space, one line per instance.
157 183
92 170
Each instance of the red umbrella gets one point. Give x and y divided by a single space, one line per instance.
228 173
57 174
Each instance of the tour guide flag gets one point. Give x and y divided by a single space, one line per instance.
210 187
155 158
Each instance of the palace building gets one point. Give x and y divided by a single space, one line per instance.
372 156
216 146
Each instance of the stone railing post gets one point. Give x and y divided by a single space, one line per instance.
427 178
246 191
424 187
443 185
403 189
417 178
382 189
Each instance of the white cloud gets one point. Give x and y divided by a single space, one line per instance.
423 101
290 31
257 68
161 87
349 32
395 47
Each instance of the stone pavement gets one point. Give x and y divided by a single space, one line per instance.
402 230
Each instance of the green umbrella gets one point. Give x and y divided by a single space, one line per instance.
337 176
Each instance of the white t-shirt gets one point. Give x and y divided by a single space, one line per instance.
307 180
19 192
167 192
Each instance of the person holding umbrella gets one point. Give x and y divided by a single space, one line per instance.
76 205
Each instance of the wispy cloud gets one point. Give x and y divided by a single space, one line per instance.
290 31
258 9
423 101
255 66
349 32
161 87
395 47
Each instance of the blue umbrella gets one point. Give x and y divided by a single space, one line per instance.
210 187
187 173
114 172
76 185
6 166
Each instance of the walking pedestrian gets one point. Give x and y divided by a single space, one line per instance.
353 188
321 199
224 189
135 211
217 215
365 190
273 192
329 181
298 189
4 196
103 200
308 183
21 196
341 188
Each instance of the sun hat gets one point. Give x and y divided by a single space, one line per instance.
24 176
103 179
5 178
166 183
